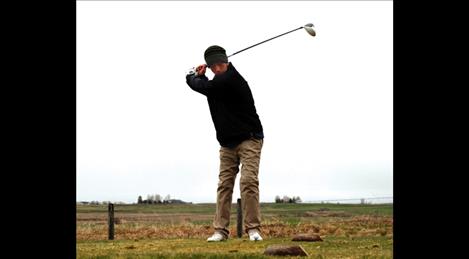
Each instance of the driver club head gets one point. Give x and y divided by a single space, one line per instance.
309 29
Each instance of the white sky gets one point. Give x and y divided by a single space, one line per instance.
326 103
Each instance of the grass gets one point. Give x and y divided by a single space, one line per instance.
180 231
332 247
154 208
276 208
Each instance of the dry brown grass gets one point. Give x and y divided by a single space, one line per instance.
122 218
142 226
327 214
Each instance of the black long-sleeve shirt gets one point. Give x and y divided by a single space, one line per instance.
231 106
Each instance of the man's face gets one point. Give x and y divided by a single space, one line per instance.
219 68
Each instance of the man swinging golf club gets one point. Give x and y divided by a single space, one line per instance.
240 134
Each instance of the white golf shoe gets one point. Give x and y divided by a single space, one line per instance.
216 237
254 235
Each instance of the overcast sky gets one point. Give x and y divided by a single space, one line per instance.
326 103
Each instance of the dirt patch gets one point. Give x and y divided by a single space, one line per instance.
307 237
285 250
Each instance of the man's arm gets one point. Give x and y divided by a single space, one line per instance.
198 83
197 80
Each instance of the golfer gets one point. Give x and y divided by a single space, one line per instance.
240 134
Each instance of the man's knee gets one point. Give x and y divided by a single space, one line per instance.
249 184
225 185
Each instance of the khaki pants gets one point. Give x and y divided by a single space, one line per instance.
248 153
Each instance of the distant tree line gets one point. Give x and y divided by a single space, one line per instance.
287 199
99 202
157 199
151 199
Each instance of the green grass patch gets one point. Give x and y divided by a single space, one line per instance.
209 208
331 247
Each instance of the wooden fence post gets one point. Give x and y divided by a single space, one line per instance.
239 222
111 221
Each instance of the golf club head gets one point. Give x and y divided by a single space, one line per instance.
309 29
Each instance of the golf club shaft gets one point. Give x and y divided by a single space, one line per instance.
265 41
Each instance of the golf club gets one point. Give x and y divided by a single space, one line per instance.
308 27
